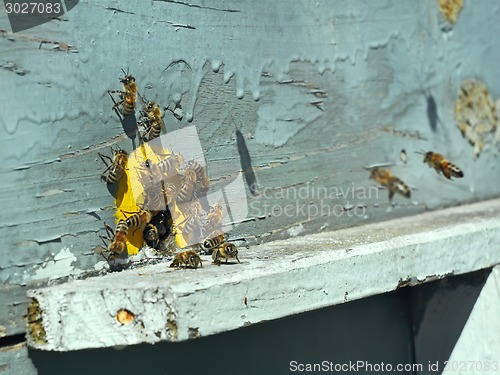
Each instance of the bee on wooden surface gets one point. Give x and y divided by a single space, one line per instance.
213 220
215 239
128 95
201 174
139 219
187 259
395 185
169 192
151 235
186 187
191 226
169 165
225 251
152 121
441 165
156 229
154 199
116 166
117 239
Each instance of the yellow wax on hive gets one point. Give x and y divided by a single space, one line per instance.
130 195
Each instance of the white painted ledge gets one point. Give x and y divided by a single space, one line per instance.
274 280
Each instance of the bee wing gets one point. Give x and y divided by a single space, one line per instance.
401 188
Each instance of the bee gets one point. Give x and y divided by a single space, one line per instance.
169 165
186 187
128 96
201 174
215 239
117 165
167 246
187 259
152 121
139 219
151 235
164 169
441 165
169 192
191 229
154 199
395 185
225 251
156 229
213 221
117 239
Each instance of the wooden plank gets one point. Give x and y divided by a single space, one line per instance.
14 359
13 308
277 279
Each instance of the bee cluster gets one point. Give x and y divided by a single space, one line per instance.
161 199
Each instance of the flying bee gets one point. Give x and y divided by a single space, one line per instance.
128 96
225 251
213 220
139 219
117 239
187 259
186 187
395 185
215 239
152 121
116 166
201 174
441 165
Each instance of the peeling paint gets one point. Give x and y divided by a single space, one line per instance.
416 280
283 118
59 266
296 230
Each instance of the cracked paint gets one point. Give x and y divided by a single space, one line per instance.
58 266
